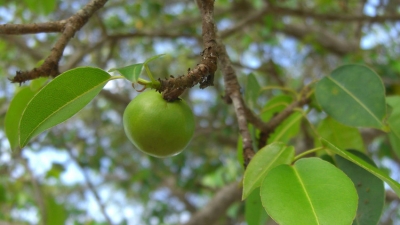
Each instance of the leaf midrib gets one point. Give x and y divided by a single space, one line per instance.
54 112
306 193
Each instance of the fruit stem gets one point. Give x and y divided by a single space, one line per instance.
154 84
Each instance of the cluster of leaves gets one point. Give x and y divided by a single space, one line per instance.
297 190
352 95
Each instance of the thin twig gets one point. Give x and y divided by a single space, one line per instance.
90 186
38 192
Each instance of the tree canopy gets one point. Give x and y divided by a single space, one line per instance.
263 79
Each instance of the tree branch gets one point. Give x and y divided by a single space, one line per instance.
232 92
217 206
332 17
71 26
90 186
203 73
18 29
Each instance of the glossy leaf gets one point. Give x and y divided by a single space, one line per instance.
340 135
252 90
131 72
264 160
14 113
353 95
308 193
394 123
60 99
287 129
371 169
254 212
370 189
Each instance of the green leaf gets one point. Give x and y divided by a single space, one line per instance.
41 6
56 213
38 83
264 160
394 123
312 191
153 58
370 189
14 113
340 135
131 72
252 90
371 169
254 212
275 105
287 129
60 99
353 95
239 150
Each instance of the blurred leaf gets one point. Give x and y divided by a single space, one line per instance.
55 213
264 160
353 95
55 170
371 169
239 150
41 6
153 58
38 83
289 128
60 99
394 123
131 72
370 189
275 105
252 90
14 113
298 194
340 135
254 212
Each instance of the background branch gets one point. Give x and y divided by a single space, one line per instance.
71 26
217 206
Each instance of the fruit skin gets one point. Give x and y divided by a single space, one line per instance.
157 127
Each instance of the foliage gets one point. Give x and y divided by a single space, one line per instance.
66 160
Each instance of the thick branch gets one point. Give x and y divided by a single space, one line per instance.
217 206
71 26
232 92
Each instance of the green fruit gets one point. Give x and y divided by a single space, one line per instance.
157 127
